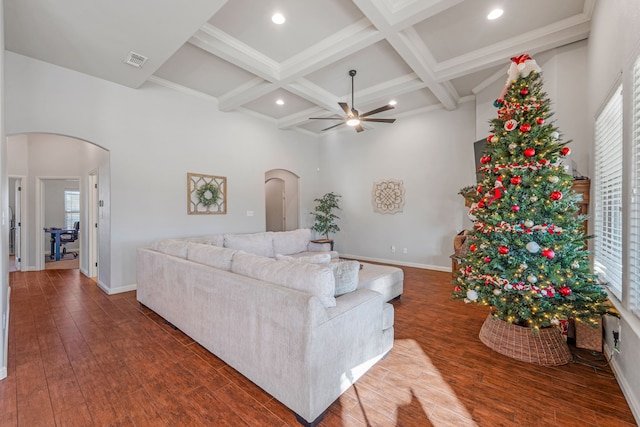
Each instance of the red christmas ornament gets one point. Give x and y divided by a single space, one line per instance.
540 121
487 259
548 253
555 195
473 248
529 152
485 159
516 180
490 137
565 291
481 204
457 289
480 189
526 127
524 92
515 208
503 250
565 151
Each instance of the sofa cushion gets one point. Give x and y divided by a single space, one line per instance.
345 274
211 239
174 247
291 242
314 279
319 258
210 255
254 243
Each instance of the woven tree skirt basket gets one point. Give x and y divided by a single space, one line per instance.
547 347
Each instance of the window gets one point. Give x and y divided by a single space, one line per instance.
71 208
608 194
634 235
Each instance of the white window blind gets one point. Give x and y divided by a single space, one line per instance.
634 242
71 208
608 194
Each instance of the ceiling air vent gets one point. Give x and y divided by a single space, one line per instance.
135 59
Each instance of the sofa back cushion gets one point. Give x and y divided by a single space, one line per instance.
319 258
210 255
291 242
315 279
254 243
174 247
210 239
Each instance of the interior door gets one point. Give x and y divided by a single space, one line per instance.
274 206
92 229
18 223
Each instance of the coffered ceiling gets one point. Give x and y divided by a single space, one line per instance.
424 54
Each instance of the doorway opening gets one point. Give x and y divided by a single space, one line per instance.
281 200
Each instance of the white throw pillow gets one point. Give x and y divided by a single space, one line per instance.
323 258
345 274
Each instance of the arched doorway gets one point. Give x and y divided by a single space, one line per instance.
281 200
40 158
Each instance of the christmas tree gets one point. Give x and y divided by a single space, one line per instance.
527 256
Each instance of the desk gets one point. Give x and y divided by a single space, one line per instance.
55 240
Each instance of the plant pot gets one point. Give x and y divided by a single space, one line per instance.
547 347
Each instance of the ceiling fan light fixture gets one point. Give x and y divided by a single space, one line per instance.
353 121
278 18
393 102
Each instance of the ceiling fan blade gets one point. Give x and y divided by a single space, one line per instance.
377 120
326 118
377 110
359 128
331 127
345 107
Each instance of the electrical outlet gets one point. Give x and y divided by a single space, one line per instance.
616 341
393 249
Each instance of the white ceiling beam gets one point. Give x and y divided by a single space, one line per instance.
253 89
558 34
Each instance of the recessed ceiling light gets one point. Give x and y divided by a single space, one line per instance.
495 14
393 102
280 102
278 18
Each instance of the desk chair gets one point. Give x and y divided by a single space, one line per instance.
70 238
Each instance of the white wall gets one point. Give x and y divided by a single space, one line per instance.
433 154
4 214
155 137
614 45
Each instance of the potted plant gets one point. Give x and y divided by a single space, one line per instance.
324 216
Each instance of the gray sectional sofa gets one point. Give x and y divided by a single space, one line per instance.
279 322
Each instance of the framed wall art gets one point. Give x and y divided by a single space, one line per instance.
387 196
206 194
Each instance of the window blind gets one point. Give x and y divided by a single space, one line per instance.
634 211
608 193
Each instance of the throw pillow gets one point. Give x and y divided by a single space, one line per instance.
291 242
313 259
210 255
253 243
345 274
174 247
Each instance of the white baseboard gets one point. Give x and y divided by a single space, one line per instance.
121 289
627 390
396 262
3 372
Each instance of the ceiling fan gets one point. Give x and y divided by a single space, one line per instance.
353 118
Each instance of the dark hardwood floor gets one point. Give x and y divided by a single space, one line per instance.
78 357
